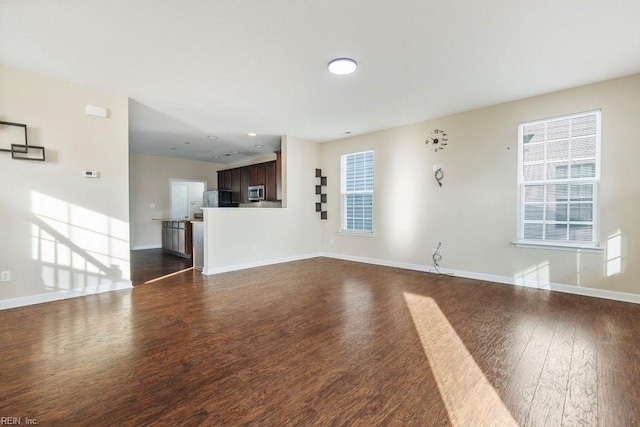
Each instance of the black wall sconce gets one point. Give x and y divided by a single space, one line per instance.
23 151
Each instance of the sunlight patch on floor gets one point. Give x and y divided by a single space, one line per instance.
168 275
467 394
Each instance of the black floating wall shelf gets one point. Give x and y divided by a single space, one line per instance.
323 197
23 151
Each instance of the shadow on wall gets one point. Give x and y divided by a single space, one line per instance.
76 247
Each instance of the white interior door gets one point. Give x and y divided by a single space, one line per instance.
179 200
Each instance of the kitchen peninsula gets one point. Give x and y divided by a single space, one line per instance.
177 236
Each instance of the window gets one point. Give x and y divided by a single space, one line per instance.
357 192
558 177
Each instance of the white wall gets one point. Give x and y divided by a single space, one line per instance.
150 185
62 233
237 238
474 214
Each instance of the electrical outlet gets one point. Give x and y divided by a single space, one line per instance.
331 241
253 248
5 276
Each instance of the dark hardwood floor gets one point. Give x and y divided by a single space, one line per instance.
322 342
150 264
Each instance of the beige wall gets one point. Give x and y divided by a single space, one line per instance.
61 232
150 184
236 238
474 214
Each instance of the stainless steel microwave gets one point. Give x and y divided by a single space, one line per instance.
256 193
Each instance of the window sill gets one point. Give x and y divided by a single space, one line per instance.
357 233
559 246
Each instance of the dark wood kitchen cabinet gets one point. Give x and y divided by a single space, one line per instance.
270 181
244 184
176 238
236 185
225 179
220 180
238 180
257 174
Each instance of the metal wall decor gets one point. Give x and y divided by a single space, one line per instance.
323 196
437 140
23 151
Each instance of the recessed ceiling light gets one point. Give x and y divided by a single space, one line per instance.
258 146
212 137
251 134
216 157
342 66
234 152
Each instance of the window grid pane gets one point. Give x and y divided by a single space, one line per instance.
358 191
558 212
559 175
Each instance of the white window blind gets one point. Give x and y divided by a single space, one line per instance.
559 173
357 192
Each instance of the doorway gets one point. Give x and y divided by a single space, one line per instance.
185 203
186 197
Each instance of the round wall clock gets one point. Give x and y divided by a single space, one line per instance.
437 140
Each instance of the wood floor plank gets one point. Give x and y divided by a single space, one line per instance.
316 342
618 367
524 380
581 399
547 404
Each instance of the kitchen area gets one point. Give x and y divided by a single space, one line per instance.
250 186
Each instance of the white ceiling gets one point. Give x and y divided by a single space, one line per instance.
228 67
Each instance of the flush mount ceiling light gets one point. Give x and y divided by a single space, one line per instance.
342 66
251 134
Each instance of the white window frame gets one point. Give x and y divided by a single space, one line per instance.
344 193
582 246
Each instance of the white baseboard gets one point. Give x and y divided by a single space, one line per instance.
558 287
60 295
261 263
143 247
